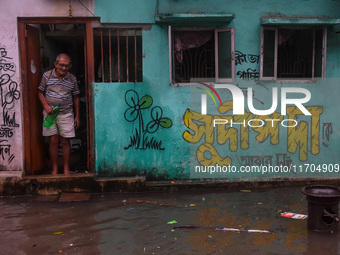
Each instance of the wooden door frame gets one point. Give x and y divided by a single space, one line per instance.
89 79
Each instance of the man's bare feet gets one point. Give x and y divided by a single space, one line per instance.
67 171
54 172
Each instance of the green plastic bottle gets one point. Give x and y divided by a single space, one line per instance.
50 118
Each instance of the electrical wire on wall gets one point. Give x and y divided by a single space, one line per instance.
70 8
85 8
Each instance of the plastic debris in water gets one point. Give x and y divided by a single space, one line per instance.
294 215
245 190
58 233
227 229
172 222
158 203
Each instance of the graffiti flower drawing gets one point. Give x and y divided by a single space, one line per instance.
140 140
157 120
136 105
13 93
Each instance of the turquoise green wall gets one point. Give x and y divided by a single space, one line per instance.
179 157
113 132
127 11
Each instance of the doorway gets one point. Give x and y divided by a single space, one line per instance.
41 40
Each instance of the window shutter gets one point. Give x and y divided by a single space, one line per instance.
225 55
268 55
170 55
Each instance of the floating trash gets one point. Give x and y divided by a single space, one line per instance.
158 203
172 222
294 215
227 229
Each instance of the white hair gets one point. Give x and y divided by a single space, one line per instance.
62 55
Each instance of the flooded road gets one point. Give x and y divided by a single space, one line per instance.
144 223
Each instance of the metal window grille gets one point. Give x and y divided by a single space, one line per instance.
293 53
118 55
199 54
195 62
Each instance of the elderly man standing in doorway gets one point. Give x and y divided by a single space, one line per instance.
58 86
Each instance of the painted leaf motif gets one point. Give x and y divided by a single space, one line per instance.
131 114
145 102
156 113
152 127
131 98
165 122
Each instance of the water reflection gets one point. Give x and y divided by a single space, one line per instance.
118 224
322 243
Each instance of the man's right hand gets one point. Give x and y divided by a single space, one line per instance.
48 108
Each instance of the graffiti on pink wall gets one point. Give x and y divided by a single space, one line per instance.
9 97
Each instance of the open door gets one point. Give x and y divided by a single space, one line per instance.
41 40
34 111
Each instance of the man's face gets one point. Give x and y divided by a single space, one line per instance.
62 66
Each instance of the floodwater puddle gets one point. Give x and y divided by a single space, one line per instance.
143 223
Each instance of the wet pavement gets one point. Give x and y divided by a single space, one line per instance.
139 223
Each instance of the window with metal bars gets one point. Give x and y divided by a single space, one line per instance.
201 55
293 53
118 55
